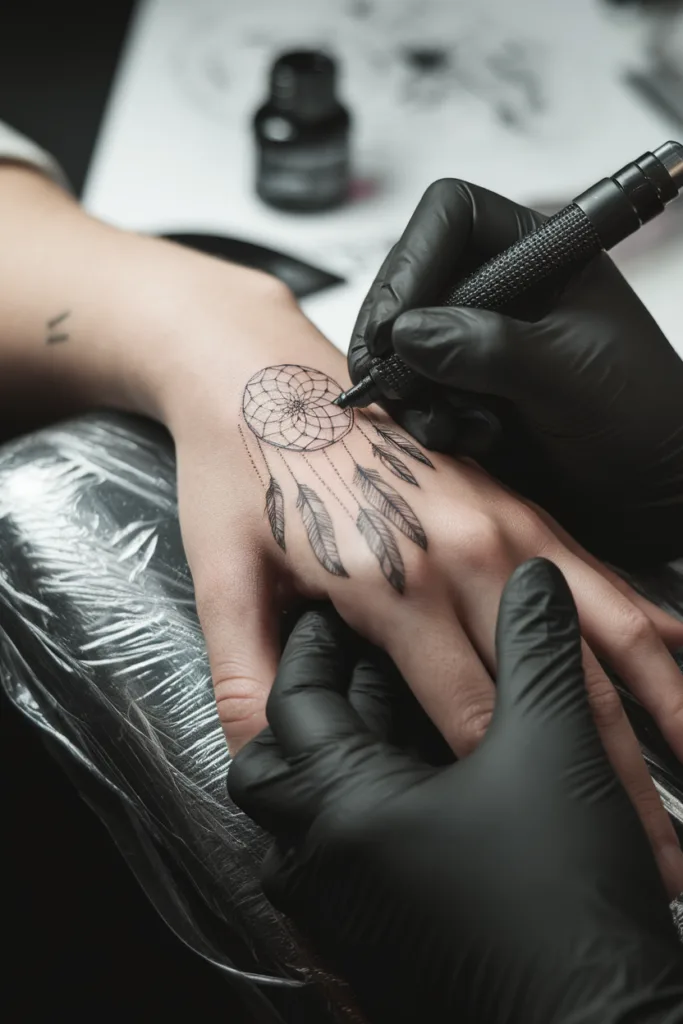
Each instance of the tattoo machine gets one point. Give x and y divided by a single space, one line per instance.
596 220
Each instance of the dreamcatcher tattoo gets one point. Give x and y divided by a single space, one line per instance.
291 418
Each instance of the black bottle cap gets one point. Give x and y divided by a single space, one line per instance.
302 83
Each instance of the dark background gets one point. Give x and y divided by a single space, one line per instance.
56 66
82 942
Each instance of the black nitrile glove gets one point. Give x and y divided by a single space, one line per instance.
514 886
591 392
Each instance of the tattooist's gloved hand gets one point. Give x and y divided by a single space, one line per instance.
591 392
514 886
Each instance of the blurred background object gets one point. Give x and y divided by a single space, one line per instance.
660 78
56 69
302 135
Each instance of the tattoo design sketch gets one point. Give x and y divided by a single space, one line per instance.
54 335
289 409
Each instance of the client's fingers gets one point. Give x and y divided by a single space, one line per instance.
625 757
241 632
626 638
437 660
669 628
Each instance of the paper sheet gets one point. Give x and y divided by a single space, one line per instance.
529 99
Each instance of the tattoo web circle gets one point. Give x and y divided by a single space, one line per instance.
292 407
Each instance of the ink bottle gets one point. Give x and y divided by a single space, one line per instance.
302 135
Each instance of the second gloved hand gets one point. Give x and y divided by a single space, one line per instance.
594 388
514 887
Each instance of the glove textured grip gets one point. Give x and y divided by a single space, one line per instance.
567 238
564 239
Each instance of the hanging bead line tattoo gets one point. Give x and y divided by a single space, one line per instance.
327 486
341 479
249 455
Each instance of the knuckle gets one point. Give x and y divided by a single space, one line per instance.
530 531
480 542
471 721
240 699
636 630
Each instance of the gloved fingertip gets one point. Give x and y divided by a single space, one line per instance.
321 623
536 604
250 764
538 641
538 580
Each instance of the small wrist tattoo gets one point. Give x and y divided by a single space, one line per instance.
55 328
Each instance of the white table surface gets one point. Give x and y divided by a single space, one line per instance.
175 150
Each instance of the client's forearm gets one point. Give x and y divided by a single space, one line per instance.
91 315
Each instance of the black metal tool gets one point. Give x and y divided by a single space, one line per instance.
596 220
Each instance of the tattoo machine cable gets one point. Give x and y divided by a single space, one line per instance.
596 220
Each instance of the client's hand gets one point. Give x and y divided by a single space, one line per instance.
515 886
282 494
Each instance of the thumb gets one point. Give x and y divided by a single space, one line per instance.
240 626
469 349
541 684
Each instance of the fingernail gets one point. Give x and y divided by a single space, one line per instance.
671 860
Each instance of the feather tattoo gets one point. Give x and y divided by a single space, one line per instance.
404 444
382 543
390 504
320 530
393 463
275 510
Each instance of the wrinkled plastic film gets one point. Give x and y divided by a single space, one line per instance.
101 648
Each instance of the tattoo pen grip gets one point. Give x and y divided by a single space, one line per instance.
596 220
566 237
